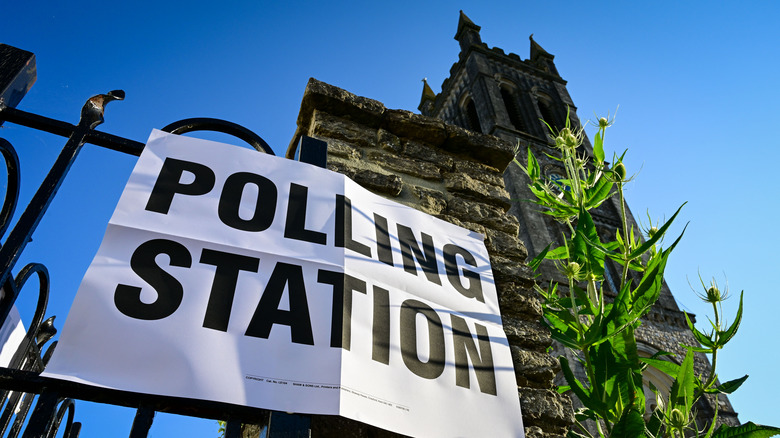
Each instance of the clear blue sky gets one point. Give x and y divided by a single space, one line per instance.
695 83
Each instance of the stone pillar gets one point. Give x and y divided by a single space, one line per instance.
455 175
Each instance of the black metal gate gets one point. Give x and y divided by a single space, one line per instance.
35 406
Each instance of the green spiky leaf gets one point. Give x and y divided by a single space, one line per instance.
726 336
598 193
558 253
664 366
630 425
728 387
681 396
700 337
536 261
582 393
658 235
533 166
747 430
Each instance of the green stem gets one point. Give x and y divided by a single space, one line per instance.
711 379
583 429
627 243
603 136
575 308
581 331
598 427
593 386
712 376
573 174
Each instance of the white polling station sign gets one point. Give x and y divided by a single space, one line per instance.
239 277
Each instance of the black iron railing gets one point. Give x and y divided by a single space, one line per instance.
21 381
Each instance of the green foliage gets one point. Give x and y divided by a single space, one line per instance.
747 430
602 331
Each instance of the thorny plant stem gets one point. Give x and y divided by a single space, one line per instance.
578 266
627 243
574 175
575 309
712 376
575 178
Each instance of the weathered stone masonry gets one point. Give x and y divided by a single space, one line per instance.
456 175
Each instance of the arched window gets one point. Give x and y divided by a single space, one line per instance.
510 103
545 108
472 118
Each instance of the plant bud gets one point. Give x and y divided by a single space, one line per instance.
677 419
620 171
651 232
713 295
571 140
572 270
603 122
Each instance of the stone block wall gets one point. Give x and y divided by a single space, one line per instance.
455 175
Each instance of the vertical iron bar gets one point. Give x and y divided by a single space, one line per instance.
23 408
313 151
142 423
12 398
284 425
233 429
75 430
42 415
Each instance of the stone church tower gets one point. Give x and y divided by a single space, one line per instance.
500 94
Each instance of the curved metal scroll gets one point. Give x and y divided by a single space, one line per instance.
219 125
12 187
72 429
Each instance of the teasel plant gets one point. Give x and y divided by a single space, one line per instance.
600 330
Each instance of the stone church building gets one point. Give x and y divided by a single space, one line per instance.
453 161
